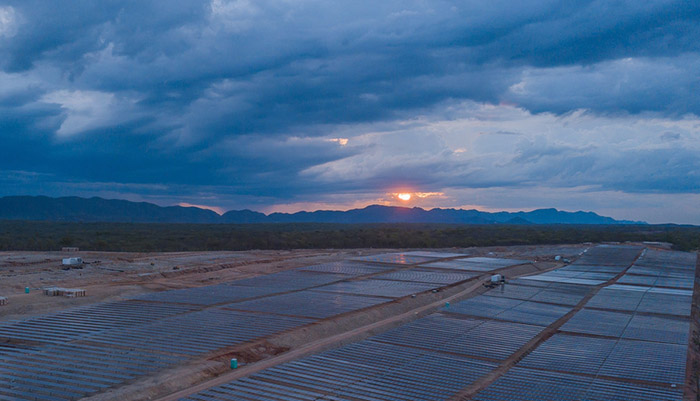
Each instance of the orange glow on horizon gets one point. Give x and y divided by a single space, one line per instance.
404 197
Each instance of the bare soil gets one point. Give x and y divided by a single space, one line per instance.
110 276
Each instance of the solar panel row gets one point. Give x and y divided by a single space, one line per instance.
366 370
77 352
299 304
534 313
522 384
348 268
556 293
435 357
489 339
476 264
67 372
640 333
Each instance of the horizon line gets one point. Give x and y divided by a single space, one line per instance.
212 208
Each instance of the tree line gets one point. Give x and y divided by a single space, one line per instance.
159 237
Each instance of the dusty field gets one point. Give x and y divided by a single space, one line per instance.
116 275
113 276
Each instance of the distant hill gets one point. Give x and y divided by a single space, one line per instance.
95 209
99 210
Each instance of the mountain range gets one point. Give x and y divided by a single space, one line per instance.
75 209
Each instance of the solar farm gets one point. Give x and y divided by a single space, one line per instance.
615 324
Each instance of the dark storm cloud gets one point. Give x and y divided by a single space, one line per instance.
665 169
661 85
309 61
65 32
245 95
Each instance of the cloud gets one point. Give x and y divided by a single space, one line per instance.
9 22
608 153
89 110
276 102
625 85
670 136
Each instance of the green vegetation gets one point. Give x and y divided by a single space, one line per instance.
47 236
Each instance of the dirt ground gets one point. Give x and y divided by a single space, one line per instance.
108 276
113 276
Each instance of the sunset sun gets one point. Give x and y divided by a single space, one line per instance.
404 197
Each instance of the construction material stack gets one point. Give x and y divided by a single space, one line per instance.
66 292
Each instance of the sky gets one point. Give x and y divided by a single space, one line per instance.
287 105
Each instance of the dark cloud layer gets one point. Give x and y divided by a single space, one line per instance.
248 100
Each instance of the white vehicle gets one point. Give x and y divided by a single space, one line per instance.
72 261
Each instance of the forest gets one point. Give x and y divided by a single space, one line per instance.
161 237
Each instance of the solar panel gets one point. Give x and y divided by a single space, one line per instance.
255 389
79 322
349 268
513 291
622 300
642 360
429 376
199 332
427 276
74 371
660 329
365 370
483 306
686 283
289 280
636 279
394 258
672 291
384 288
522 384
609 255
493 340
661 271
555 296
82 351
429 332
562 279
534 313
593 268
665 303
607 390
678 260
604 323
529 283
209 295
568 353
556 293
309 303
480 264
438 255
